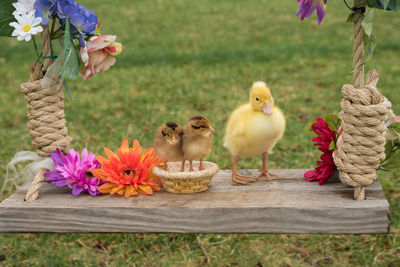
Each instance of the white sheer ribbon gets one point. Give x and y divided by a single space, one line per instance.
19 179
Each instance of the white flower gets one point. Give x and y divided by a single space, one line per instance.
23 7
27 25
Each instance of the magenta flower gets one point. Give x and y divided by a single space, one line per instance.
326 167
307 7
71 171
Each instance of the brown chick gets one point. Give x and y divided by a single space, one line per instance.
168 142
197 136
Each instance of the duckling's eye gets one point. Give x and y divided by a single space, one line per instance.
257 99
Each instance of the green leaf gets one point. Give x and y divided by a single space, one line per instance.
308 128
332 145
6 10
395 126
353 17
361 3
394 5
388 150
370 44
373 4
368 21
393 162
70 67
333 122
385 3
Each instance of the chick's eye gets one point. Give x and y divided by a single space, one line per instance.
257 99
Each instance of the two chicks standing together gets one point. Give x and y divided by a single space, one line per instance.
192 142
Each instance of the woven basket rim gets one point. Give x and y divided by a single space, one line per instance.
211 169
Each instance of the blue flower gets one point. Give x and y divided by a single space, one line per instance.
43 10
83 20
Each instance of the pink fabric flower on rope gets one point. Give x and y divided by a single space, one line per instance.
99 54
307 7
72 171
326 167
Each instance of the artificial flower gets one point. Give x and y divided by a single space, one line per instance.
23 7
307 7
128 172
325 135
98 54
72 171
326 167
27 26
43 10
81 18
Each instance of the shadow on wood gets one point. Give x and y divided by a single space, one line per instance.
289 205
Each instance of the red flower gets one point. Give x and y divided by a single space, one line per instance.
325 135
326 167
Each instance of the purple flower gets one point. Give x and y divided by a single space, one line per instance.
71 171
307 7
43 10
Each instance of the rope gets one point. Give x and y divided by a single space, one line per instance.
361 145
360 148
46 119
33 190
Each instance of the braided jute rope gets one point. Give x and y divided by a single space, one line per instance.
360 148
46 119
361 145
33 190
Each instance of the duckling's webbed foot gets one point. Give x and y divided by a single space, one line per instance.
237 178
241 179
265 174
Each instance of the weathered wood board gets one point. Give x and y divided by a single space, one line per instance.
289 205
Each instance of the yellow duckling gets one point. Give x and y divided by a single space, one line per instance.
253 129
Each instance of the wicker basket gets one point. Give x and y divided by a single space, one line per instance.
175 181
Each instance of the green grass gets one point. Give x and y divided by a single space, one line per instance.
200 57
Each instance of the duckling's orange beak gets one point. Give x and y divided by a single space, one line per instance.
267 108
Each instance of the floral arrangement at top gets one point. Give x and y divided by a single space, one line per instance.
85 52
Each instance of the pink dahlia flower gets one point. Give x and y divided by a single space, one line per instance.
307 7
72 171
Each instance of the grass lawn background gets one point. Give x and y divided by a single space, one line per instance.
184 58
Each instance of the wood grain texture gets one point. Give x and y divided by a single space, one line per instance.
289 205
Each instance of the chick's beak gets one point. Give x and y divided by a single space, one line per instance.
267 108
211 129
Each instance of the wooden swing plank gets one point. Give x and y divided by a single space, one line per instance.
289 205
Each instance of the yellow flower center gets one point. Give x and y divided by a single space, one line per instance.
26 28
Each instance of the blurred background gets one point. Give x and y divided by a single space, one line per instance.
185 58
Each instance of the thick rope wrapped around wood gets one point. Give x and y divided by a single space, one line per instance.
46 120
360 148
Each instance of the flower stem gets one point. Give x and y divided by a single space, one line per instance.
35 47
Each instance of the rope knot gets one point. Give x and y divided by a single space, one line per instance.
360 148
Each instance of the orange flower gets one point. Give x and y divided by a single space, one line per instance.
129 173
